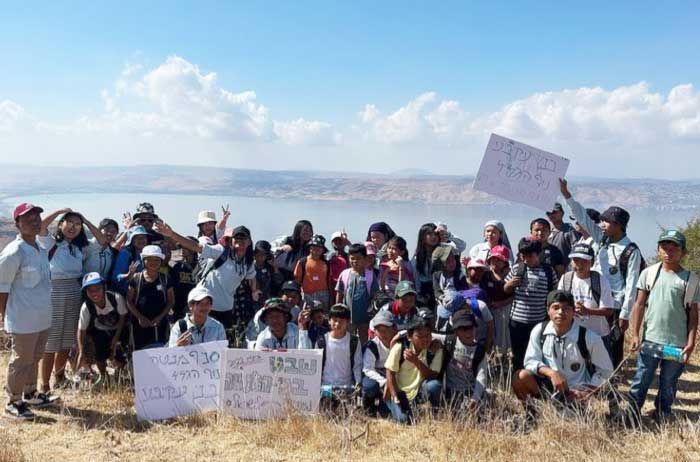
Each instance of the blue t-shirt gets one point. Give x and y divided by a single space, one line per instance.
355 295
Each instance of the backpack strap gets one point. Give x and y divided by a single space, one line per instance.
52 251
595 287
625 256
474 303
449 347
139 283
549 272
522 269
93 313
216 265
652 276
479 355
404 344
373 348
354 344
568 281
112 299
583 349
544 325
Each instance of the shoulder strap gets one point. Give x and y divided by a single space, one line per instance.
625 258
372 347
404 345
595 287
139 283
652 276
111 298
583 349
93 313
479 355
568 282
475 307
354 343
52 251
522 269
544 325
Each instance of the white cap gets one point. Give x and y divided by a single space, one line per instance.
198 294
152 251
206 216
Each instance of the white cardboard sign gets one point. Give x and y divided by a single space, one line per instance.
266 384
520 173
169 382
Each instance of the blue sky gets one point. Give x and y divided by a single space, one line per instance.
325 61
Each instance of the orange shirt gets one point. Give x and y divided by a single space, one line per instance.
316 277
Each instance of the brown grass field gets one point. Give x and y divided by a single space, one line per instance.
103 427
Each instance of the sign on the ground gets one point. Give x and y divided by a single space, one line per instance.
267 384
520 173
170 382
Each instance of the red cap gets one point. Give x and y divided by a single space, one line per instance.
501 252
23 208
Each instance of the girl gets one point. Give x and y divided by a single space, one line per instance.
380 233
312 273
421 261
150 299
289 250
494 234
129 259
66 259
448 274
228 263
99 258
183 280
209 229
395 266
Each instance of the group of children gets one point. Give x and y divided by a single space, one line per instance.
397 331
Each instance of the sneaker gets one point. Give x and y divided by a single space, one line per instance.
19 411
41 399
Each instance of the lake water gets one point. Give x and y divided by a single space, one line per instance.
269 218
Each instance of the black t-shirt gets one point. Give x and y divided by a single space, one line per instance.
183 283
152 297
552 256
154 238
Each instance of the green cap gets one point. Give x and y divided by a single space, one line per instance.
404 288
672 235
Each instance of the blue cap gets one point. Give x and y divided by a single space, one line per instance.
91 279
137 230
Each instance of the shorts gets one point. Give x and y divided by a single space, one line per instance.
102 339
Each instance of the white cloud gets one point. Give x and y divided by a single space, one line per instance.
308 132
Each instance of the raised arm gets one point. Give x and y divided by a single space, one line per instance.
48 219
97 234
579 212
165 229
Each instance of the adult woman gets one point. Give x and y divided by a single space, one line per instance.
149 300
66 259
209 229
100 258
228 263
422 265
289 250
129 259
494 234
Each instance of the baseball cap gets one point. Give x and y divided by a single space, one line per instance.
336 235
91 279
582 251
672 235
463 318
238 230
25 208
560 296
198 294
557 208
404 288
273 304
501 252
291 286
477 263
383 318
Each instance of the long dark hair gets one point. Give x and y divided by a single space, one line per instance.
400 243
298 246
80 241
383 228
242 267
422 254
201 233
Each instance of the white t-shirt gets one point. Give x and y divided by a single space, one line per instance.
372 366
337 370
581 290
106 320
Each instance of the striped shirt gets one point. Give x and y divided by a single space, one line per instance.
530 297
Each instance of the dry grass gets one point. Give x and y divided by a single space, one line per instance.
96 427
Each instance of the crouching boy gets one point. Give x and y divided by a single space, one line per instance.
373 359
342 358
562 357
412 372
280 332
197 326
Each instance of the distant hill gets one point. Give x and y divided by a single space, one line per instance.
403 186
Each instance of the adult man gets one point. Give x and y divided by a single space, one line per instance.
619 260
562 235
25 307
197 326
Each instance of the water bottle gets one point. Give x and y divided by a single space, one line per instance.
672 353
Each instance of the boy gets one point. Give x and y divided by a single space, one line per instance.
562 357
312 272
563 236
183 280
465 362
373 359
485 327
102 317
667 305
268 277
403 308
619 261
342 356
412 372
280 333
549 255
591 291
291 298
356 288
318 324
530 281
197 326
337 259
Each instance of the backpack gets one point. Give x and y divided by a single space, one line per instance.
473 296
691 284
373 348
625 259
203 267
92 309
163 282
568 281
548 270
369 279
449 346
580 343
354 343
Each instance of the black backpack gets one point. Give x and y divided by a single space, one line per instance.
354 343
548 270
405 344
580 343
92 309
625 259
204 267
568 281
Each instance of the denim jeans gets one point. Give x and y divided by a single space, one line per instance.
668 382
402 411
371 391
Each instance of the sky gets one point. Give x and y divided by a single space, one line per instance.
357 86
